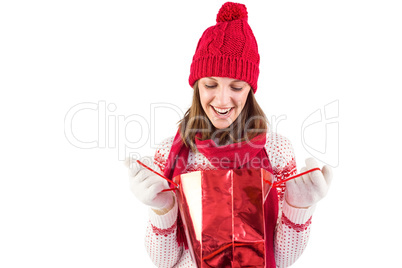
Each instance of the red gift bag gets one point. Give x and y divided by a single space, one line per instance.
223 216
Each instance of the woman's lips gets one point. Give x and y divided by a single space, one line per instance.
222 112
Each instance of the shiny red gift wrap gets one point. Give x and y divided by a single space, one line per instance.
223 216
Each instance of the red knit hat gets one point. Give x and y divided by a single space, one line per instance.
228 49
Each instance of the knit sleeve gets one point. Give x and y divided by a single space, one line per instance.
293 226
162 153
160 240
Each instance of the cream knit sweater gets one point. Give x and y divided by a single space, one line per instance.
293 226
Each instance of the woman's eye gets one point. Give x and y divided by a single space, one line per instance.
237 88
210 86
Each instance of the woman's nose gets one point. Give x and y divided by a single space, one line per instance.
223 95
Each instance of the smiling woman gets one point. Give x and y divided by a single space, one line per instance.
223 109
225 128
223 99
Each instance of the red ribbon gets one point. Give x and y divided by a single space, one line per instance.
275 184
176 186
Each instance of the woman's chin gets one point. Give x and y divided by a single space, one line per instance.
222 124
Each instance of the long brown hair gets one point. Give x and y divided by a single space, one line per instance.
250 122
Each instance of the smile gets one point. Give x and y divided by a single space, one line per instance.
222 111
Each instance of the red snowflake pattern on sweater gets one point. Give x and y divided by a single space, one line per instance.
162 153
164 232
163 249
290 239
290 243
294 226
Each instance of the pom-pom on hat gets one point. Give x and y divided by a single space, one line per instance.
231 11
227 49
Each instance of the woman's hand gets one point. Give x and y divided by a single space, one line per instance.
307 190
147 186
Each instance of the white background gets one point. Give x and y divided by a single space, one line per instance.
65 206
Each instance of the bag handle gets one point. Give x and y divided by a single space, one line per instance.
277 183
176 186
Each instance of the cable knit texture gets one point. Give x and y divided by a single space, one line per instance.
293 226
227 49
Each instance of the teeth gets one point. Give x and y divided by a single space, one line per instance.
221 111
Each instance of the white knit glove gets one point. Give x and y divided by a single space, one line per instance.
307 190
147 186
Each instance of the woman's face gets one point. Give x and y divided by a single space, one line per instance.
222 99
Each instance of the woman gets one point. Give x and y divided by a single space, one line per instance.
225 128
